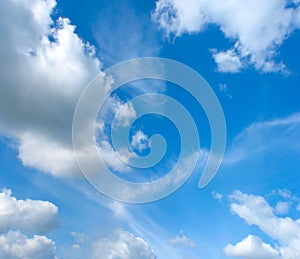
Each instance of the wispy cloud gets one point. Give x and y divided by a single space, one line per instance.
263 137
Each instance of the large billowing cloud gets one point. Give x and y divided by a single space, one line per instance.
28 216
122 245
256 27
44 68
31 217
255 210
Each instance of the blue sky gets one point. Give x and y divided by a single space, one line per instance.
248 53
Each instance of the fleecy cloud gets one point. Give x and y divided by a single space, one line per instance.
257 28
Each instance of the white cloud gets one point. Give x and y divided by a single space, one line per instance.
14 245
227 61
122 245
257 37
255 210
46 155
45 67
30 216
140 141
252 247
182 240
123 113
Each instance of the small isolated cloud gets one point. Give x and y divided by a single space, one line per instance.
217 196
227 61
256 37
223 87
122 245
285 231
16 245
182 240
140 141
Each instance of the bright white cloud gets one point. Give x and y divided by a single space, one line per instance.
140 141
252 247
227 61
122 245
45 67
14 245
30 216
257 37
255 210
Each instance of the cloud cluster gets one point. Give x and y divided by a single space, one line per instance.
16 245
30 217
122 245
257 28
44 68
255 210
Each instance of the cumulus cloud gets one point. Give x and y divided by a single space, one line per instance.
44 68
30 216
15 245
256 37
252 247
122 245
227 61
255 210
